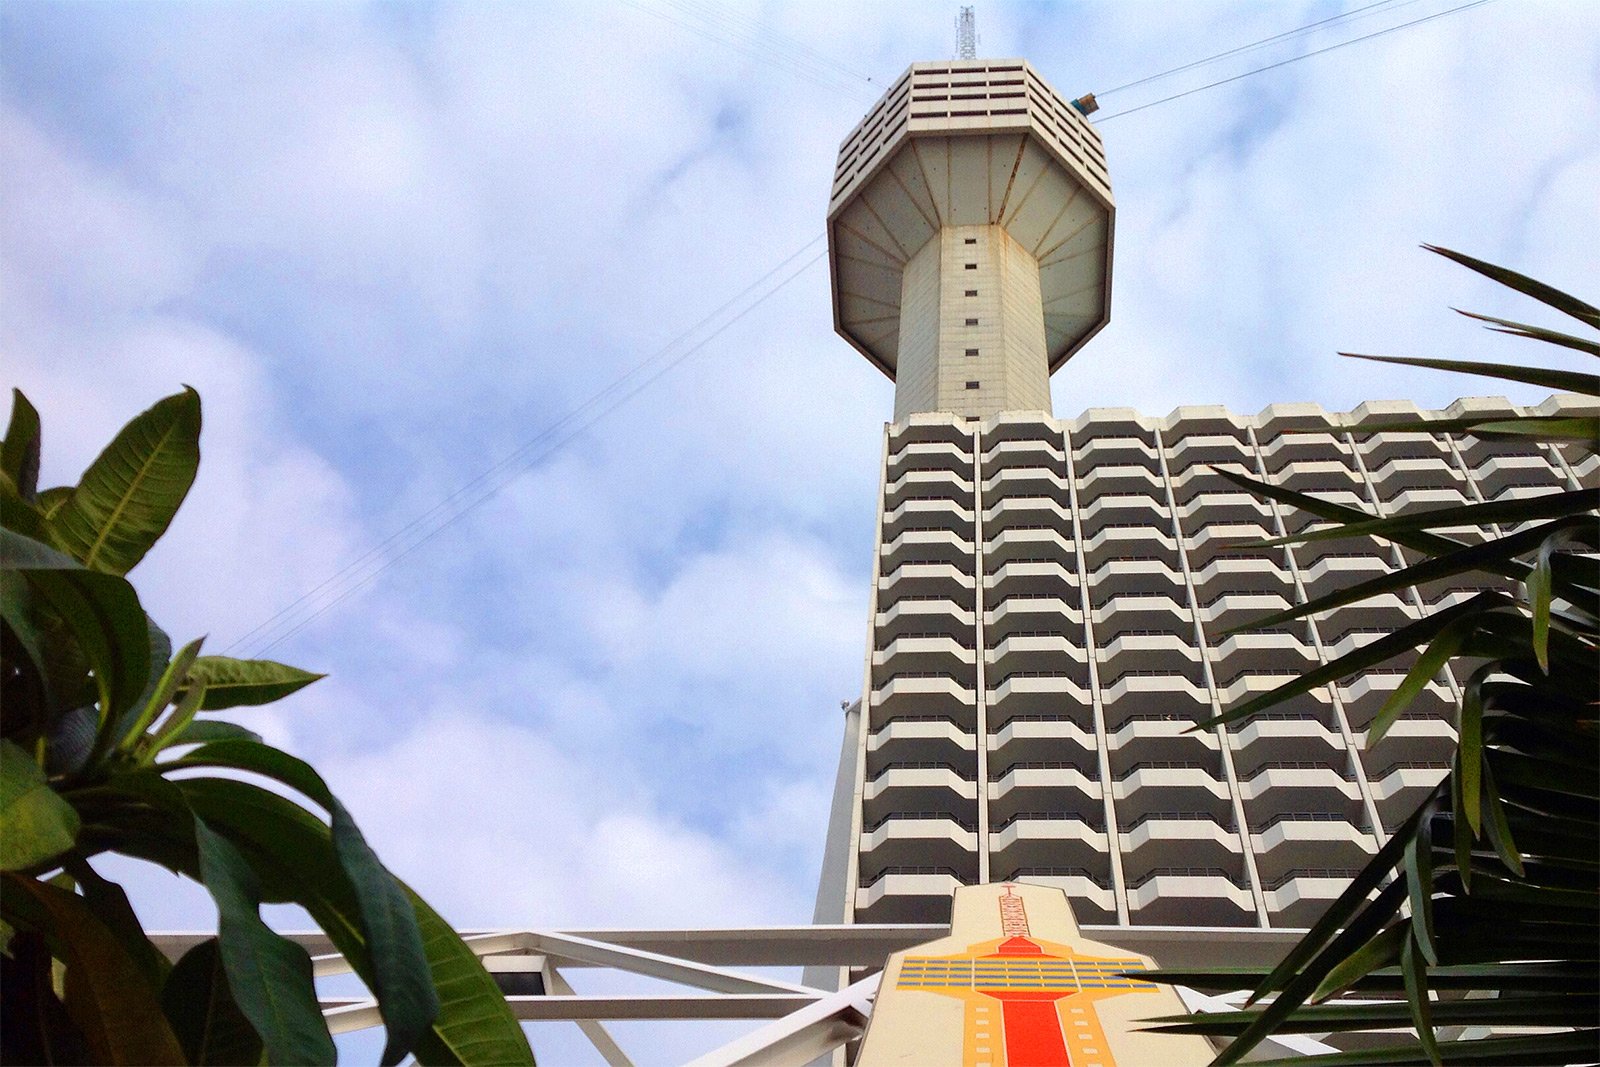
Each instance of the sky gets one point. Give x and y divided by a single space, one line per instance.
396 246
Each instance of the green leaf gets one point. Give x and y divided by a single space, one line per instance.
1545 294
1416 976
107 995
1469 753
1419 880
1380 951
268 975
406 997
1537 333
474 1024
1424 670
232 682
19 452
207 730
1561 381
36 824
1499 829
204 1017
166 686
51 500
129 494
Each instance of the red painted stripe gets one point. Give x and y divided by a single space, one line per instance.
1033 1034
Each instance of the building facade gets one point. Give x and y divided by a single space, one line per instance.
1053 601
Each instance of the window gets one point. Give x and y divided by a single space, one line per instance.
972 322
972 292
972 385
970 266
972 351
970 241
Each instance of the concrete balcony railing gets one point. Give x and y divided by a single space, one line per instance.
1233 606
947 484
1024 452
909 616
1259 741
1137 693
1387 611
1124 509
1410 740
1197 896
925 740
1038 838
1080 884
1018 543
1499 472
1220 540
1042 732
931 456
1286 448
1033 577
909 894
928 654
1399 789
1176 839
1010 511
916 787
1026 693
1300 898
1038 653
1337 571
1160 737
945 546
906 838
928 579
1209 448
1436 472
1242 574
1263 651
919 694
1029 481
1094 451
1379 448
923 512
1232 506
1413 500
1365 693
1305 839
1146 643
1019 614
1131 576
1121 478
1246 686
1022 778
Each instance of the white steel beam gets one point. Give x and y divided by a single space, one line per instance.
803 1035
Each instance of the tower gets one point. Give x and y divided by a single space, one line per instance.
969 237
1052 600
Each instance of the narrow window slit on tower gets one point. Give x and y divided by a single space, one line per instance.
972 292
972 351
970 266
972 322
972 385
969 240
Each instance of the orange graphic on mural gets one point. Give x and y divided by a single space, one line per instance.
1029 1002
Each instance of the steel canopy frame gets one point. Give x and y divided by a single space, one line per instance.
798 1022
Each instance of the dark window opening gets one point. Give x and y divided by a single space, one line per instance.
970 241
972 385
972 292
972 322
970 266
972 351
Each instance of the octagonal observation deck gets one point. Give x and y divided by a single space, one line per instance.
970 236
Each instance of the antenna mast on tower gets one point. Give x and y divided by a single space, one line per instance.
966 35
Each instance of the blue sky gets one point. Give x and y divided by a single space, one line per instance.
392 244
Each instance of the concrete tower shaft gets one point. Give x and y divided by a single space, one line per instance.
970 237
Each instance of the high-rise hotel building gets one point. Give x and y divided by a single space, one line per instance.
1051 599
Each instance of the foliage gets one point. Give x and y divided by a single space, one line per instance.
105 748
1482 908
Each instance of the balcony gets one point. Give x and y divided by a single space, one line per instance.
907 838
1039 652
1209 449
1124 510
1399 788
1191 896
1339 570
1036 576
918 786
1379 448
923 694
1368 691
1136 576
1242 574
1152 787
1039 839
1042 693
911 894
1030 482
909 615
1068 788
1023 512
945 485
1177 839
927 580
931 456
927 654
1263 650
1233 689
929 740
1409 501
1432 472
1259 742
1299 898
1093 452
1299 840
1033 614
927 512
1024 453
1423 741
1319 476
1223 539
1161 740
1120 478
1137 539
1229 609
928 545
1040 542
1293 787
1058 738
1502 472
1384 613
1147 693
1232 506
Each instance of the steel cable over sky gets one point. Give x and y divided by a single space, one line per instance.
366 568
